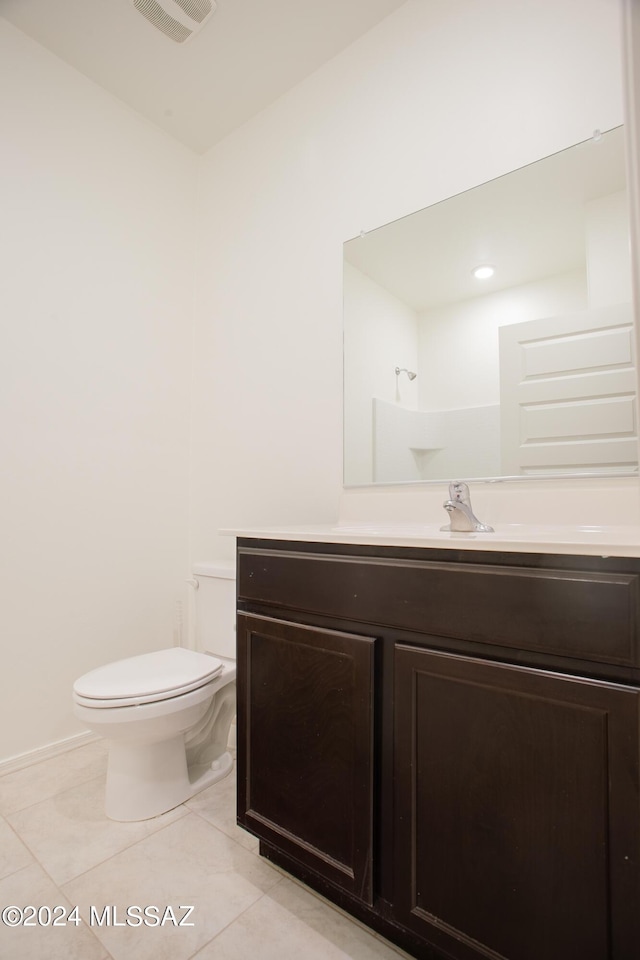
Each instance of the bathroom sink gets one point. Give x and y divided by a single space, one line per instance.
504 531
621 541
506 536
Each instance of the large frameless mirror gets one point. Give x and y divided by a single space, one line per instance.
492 334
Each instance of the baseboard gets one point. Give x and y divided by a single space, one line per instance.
11 764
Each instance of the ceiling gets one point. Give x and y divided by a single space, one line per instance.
247 55
529 224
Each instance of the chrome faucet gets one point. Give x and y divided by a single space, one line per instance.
458 506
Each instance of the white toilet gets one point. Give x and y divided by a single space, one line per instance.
167 714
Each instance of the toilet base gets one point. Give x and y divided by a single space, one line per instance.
201 778
147 780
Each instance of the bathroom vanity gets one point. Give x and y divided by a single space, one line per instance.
444 740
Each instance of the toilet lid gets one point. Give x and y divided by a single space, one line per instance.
151 676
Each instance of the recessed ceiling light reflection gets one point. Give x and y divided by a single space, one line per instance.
484 271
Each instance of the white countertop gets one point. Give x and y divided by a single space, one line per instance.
601 541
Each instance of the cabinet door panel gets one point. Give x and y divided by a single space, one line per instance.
305 699
517 802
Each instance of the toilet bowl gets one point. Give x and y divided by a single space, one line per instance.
166 715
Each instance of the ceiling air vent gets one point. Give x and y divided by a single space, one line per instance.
177 19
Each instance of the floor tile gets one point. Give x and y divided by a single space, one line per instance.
70 833
289 923
189 862
50 777
13 853
195 855
218 806
31 886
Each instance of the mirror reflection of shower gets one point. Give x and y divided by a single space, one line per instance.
409 373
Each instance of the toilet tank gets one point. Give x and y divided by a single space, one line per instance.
215 609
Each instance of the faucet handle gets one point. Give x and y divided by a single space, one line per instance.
458 506
459 492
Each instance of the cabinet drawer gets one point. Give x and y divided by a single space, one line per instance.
585 614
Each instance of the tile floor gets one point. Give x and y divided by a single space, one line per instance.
57 848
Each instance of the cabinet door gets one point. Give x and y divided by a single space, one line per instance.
517 810
305 746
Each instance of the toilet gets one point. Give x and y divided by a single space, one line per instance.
167 715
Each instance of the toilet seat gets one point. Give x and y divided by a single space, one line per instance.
147 678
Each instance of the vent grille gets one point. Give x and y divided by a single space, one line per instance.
177 19
196 9
160 19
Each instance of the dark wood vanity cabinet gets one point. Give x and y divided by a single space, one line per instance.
517 809
308 738
447 743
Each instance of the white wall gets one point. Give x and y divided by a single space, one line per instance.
380 335
608 253
96 247
458 343
436 99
